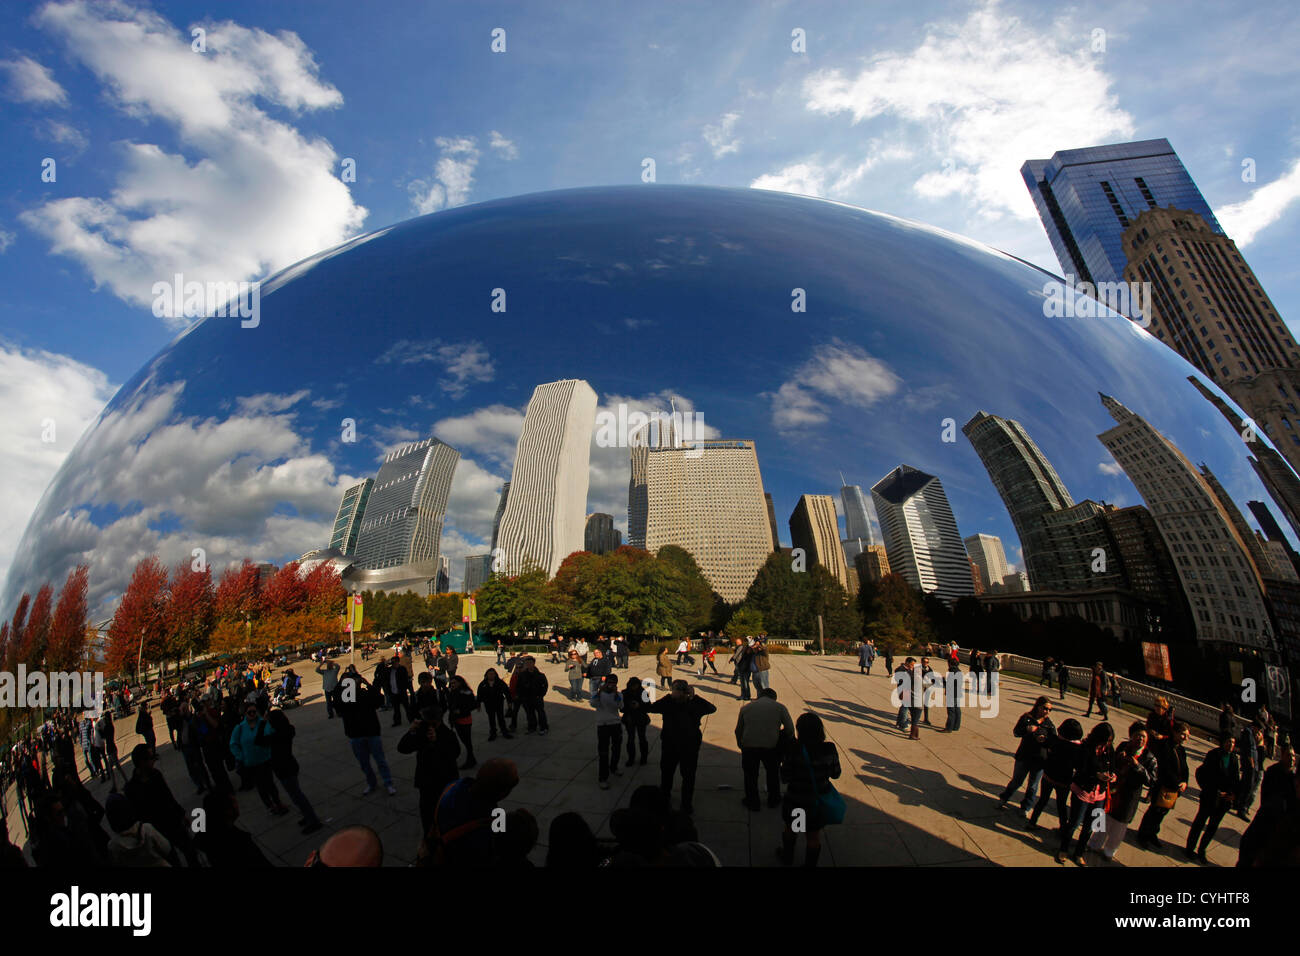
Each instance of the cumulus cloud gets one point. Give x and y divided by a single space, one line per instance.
1267 204
973 94
463 363
30 82
504 147
49 397
838 371
491 432
452 179
63 134
721 138
248 195
1110 468
152 481
829 178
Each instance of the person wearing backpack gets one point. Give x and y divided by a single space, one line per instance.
809 764
1219 778
461 834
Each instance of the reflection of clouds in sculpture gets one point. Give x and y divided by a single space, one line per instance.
232 436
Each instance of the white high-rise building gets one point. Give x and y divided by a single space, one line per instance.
920 532
546 510
707 498
987 553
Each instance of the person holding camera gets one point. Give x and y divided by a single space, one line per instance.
1036 732
436 754
609 728
680 737
358 704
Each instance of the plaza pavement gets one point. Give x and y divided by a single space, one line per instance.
931 802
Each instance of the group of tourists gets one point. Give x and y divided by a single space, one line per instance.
1100 785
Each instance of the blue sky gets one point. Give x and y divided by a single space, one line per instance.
226 163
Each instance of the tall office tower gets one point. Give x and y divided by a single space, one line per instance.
443 583
815 528
478 570
546 510
501 509
1030 488
600 537
347 523
872 564
1273 531
1149 568
1214 564
921 534
857 520
707 497
1087 198
656 433
402 528
1274 473
771 519
987 553
1016 582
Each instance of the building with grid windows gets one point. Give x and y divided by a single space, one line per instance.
707 498
347 523
815 528
921 534
990 560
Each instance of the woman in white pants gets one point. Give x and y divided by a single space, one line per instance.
1135 768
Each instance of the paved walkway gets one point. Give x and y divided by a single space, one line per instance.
930 802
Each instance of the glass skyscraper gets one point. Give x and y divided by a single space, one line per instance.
352 510
1087 198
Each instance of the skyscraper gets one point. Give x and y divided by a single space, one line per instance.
771 519
815 528
1087 198
1214 564
601 537
707 498
478 569
501 509
545 513
857 520
443 581
401 529
1029 487
655 433
921 534
347 523
987 553
872 563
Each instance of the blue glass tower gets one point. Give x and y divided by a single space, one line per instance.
1088 197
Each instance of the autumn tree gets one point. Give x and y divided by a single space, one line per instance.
237 607
36 633
67 646
138 630
190 611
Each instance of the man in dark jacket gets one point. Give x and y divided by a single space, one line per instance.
532 687
153 803
1171 774
597 670
436 752
1219 778
381 682
680 738
1036 732
399 691
225 845
1250 751
358 704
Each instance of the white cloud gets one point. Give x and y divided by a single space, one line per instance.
1110 468
838 371
250 194
1266 205
30 82
721 138
63 134
491 432
6 240
453 176
269 402
829 178
36 388
504 146
977 95
463 363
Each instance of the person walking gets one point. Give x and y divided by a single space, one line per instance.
1046 676
927 682
1092 779
1062 678
461 704
902 678
763 728
191 749
954 692
680 738
664 668
277 732
501 653
1171 781
436 753
811 762
621 651
636 719
977 670
1097 691
609 728
1250 753
888 654
255 759
107 735
399 691
866 656
746 668
94 755
493 695
683 650
1036 733
1135 769
357 702
1219 778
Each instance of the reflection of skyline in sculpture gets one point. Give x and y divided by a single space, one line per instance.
815 528
545 513
1214 564
990 558
600 535
347 523
707 498
920 533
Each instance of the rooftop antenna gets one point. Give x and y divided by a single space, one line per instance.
672 419
843 483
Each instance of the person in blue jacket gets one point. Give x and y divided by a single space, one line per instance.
255 758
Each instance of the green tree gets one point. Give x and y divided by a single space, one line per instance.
746 621
898 619
696 595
